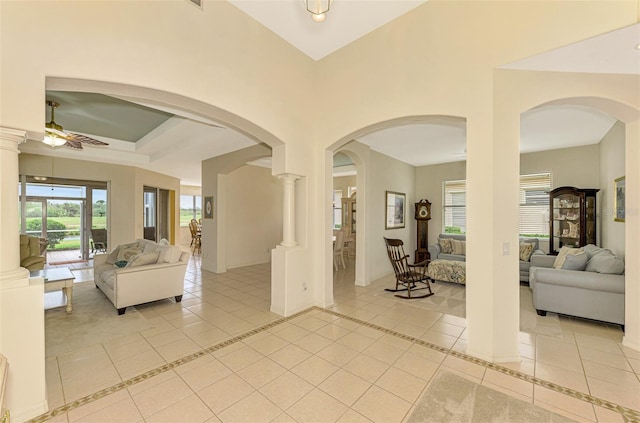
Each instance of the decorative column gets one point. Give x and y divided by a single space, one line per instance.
21 298
289 209
11 274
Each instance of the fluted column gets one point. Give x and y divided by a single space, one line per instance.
289 209
11 274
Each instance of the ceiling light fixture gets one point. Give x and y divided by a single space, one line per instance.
318 9
53 135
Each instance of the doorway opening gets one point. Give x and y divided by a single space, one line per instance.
63 213
157 213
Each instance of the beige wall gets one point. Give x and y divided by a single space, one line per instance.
388 175
125 218
343 183
612 158
254 211
576 166
440 59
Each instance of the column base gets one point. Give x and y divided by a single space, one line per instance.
291 289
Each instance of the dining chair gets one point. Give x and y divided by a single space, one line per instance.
196 236
338 250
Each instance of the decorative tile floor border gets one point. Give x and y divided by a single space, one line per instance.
628 414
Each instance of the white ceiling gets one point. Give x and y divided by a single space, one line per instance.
177 146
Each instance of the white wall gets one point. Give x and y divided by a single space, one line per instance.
254 211
612 158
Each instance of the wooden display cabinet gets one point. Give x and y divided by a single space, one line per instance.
572 217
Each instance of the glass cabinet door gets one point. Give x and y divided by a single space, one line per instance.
573 217
566 221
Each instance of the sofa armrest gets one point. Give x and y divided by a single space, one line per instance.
542 260
434 250
578 279
99 259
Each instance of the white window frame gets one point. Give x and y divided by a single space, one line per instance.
533 213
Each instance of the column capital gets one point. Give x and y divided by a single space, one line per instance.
289 177
10 138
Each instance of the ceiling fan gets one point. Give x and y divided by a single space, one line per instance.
55 136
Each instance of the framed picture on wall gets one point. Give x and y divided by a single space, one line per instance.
208 207
618 199
394 210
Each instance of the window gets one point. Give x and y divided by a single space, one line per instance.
190 208
337 209
534 205
455 207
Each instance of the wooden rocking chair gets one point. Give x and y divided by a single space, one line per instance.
409 277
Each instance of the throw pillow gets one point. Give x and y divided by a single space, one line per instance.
128 253
605 263
144 259
164 241
121 263
559 261
150 247
593 250
575 261
113 257
526 249
169 254
446 245
459 247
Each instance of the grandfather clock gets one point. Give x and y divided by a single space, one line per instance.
423 215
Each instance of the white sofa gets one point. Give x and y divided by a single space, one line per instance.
151 272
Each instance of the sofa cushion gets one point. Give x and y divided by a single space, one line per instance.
557 264
605 263
458 247
446 245
576 261
143 259
526 249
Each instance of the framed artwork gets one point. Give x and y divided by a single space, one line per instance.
394 210
208 207
618 199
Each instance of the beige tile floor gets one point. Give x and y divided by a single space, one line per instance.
368 358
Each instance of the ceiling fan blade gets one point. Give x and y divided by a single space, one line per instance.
87 140
73 144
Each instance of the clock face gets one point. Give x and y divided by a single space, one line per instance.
423 212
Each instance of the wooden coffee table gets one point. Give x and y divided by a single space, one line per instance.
55 279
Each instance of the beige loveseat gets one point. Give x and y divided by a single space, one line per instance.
30 256
149 272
